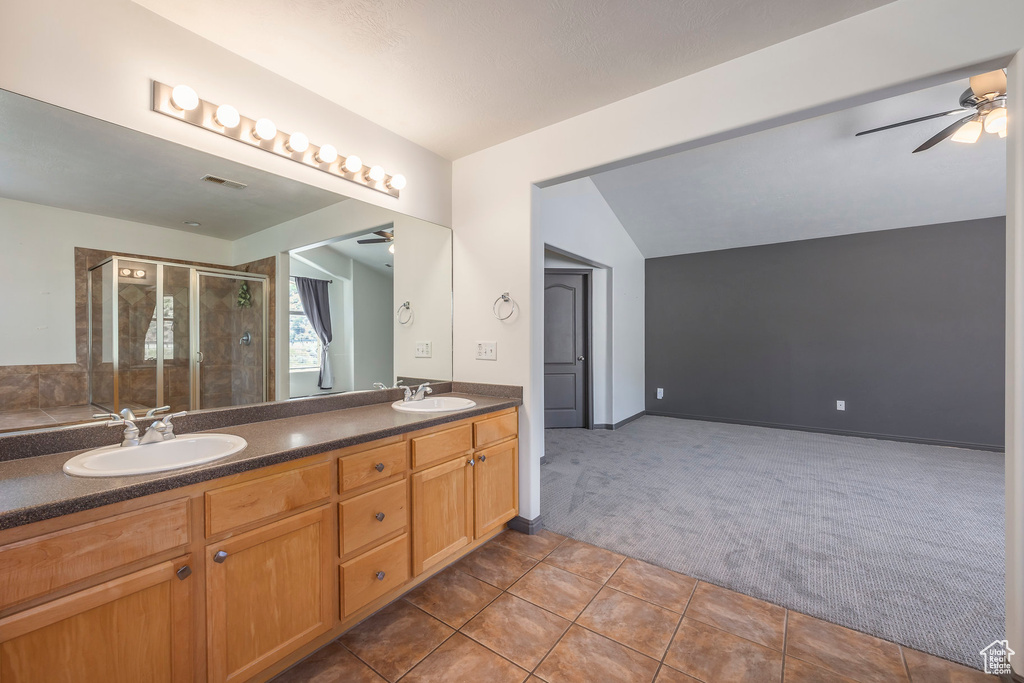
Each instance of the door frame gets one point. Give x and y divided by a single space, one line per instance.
588 346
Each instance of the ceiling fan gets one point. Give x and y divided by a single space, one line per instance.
384 236
985 105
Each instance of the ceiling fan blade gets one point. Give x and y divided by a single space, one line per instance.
946 132
907 123
373 241
385 233
988 83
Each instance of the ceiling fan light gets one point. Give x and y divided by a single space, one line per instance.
1002 133
995 120
969 132
391 248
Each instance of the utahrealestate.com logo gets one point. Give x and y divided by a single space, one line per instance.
997 658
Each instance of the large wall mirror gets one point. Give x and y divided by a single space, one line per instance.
139 273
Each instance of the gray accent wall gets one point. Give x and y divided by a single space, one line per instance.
906 326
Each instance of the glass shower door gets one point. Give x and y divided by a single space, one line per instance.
230 338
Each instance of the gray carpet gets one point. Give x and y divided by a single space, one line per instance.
902 541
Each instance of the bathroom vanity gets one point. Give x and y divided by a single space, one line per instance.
234 571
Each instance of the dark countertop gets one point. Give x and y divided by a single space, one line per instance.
36 488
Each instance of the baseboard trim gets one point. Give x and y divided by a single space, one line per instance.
526 526
622 423
836 432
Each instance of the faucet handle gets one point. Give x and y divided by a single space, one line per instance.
128 414
153 411
112 418
408 393
169 428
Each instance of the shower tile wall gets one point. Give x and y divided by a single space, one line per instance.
231 373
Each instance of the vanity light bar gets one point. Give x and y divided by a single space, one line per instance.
181 102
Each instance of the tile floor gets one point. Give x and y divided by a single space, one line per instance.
39 418
550 608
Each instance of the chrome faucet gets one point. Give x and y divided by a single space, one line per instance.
418 395
131 432
380 385
161 430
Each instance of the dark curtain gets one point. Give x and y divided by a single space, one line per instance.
316 305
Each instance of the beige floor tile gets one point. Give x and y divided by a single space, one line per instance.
668 589
461 660
517 630
556 590
741 615
864 658
714 656
396 638
496 565
925 668
453 596
631 621
670 675
588 561
330 664
798 671
585 657
536 545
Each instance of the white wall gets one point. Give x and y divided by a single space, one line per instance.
37 272
99 57
423 277
893 49
374 323
574 218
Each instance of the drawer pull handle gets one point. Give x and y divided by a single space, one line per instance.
380 576
220 556
471 462
379 467
379 516
483 458
184 572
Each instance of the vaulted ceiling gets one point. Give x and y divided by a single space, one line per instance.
811 179
457 76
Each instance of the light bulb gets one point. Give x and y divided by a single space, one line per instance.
140 273
298 142
995 120
184 98
969 132
327 154
376 174
126 272
391 248
227 116
397 182
353 164
264 130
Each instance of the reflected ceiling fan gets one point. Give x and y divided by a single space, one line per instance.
384 236
985 105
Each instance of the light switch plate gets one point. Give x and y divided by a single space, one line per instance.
486 350
422 349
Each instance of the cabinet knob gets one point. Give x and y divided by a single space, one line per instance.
379 467
471 462
483 458
379 516
380 576
220 556
184 572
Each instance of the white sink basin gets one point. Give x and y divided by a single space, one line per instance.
441 404
182 451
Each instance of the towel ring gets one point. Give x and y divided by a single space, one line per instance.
506 299
398 313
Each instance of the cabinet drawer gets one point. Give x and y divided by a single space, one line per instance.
251 501
372 516
373 574
495 429
47 563
368 467
441 445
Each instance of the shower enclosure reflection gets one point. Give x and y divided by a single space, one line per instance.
168 334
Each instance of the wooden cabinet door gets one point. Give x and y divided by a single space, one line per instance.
441 512
496 486
269 593
134 628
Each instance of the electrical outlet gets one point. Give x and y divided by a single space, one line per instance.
840 405
423 349
486 350
661 393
